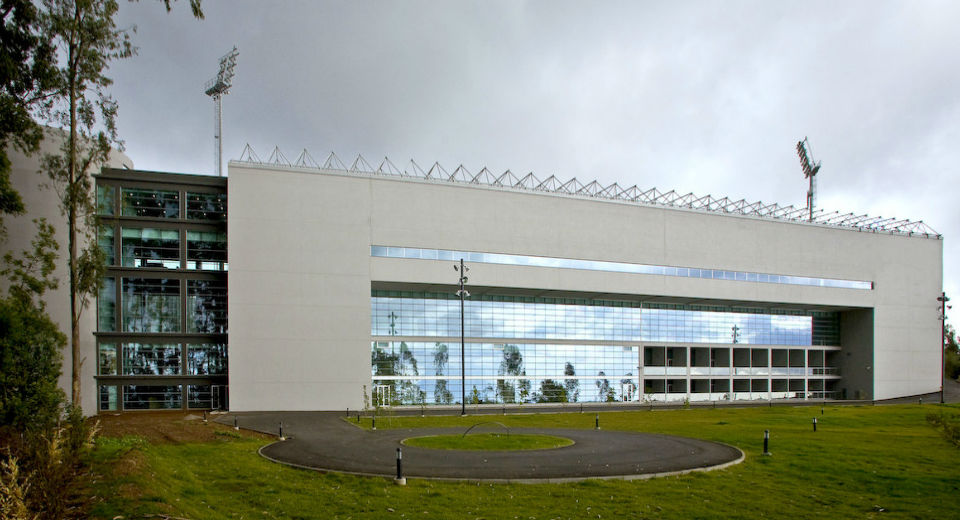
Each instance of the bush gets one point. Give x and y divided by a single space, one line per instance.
948 424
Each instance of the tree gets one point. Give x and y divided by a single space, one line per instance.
441 395
511 365
571 386
551 392
951 354
30 342
85 34
28 74
603 386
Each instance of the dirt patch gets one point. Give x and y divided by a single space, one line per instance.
167 427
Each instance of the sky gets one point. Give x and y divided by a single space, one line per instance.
704 97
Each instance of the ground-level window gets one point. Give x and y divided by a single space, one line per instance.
152 397
109 400
199 396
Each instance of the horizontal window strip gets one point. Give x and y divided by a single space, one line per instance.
615 267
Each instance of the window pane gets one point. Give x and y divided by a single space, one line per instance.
207 206
151 359
151 397
207 250
207 306
108 359
107 306
199 396
108 398
151 305
105 241
206 359
149 247
138 202
105 200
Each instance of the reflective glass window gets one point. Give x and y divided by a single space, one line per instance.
199 396
105 237
207 206
150 304
107 305
206 359
107 355
109 399
142 202
207 306
147 247
151 359
207 250
106 202
152 397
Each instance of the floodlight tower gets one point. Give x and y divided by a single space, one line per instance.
217 88
810 169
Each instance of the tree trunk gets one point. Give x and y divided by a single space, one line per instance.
72 219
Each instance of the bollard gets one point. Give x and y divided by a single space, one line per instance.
204 416
358 417
821 409
236 425
400 480
920 401
581 407
814 424
766 442
348 412
597 422
374 423
282 438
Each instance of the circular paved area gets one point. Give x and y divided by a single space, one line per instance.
324 441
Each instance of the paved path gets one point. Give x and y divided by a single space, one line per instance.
324 441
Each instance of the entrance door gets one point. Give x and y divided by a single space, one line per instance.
218 397
382 395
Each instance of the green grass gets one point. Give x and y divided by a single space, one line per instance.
488 441
861 460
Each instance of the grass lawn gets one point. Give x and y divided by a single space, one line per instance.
488 441
867 461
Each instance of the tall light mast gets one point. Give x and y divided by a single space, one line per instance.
810 169
217 88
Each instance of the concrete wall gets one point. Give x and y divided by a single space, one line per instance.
300 270
44 202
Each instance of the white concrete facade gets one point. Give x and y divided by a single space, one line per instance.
301 273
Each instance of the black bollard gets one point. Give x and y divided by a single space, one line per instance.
581 407
204 416
374 423
597 422
814 424
766 442
348 412
400 480
236 425
281 431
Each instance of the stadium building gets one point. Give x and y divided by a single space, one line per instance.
337 284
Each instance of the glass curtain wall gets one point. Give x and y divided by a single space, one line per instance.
579 364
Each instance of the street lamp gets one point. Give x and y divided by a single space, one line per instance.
462 293
943 334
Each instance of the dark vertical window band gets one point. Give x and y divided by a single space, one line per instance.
207 306
139 202
151 305
207 206
206 250
151 359
161 335
147 247
152 397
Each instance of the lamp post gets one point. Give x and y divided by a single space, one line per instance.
462 293
943 334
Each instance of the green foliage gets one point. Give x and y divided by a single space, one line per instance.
30 342
28 78
551 392
951 354
948 424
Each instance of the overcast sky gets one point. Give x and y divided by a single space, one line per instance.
708 97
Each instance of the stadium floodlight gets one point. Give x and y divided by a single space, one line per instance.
217 88
810 169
